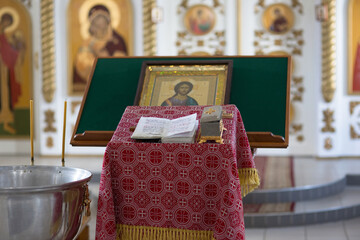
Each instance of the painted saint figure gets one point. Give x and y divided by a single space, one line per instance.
11 55
104 41
280 23
199 19
201 23
181 97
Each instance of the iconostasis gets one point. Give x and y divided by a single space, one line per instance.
55 43
324 110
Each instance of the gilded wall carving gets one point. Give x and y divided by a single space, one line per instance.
296 130
49 120
293 43
49 142
328 145
354 108
328 119
297 93
297 89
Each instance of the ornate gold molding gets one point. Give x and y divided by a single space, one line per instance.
49 142
297 131
353 106
328 51
297 89
353 133
149 28
328 120
49 120
292 42
48 49
328 143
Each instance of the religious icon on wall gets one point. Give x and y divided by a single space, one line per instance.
96 29
184 83
354 47
278 18
199 19
15 69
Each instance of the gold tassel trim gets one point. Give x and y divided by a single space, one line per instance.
129 232
249 180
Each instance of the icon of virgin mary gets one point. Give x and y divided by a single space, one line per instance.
103 41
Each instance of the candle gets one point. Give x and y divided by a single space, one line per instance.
32 131
63 140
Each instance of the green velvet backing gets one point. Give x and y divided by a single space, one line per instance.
258 89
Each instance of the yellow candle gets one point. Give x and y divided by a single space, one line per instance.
32 130
63 140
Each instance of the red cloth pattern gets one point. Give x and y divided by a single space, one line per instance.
186 186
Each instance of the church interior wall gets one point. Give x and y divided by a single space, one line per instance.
240 31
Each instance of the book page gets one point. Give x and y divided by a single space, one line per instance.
181 125
150 127
187 137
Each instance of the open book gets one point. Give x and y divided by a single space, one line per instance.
179 130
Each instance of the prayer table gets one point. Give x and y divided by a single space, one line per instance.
175 190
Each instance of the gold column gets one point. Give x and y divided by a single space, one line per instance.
328 26
48 49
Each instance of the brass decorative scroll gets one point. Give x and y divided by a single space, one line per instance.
48 49
328 51
149 28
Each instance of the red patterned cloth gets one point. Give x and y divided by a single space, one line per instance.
168 185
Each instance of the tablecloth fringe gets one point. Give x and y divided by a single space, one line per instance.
249 180
129 232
